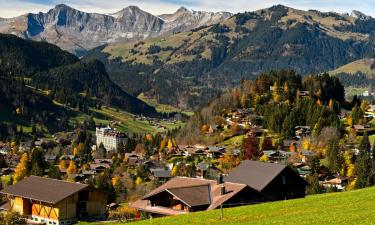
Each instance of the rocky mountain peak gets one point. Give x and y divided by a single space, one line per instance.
360 15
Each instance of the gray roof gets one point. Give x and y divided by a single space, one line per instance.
43 189
161 173
255 174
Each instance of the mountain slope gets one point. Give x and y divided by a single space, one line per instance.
78 31
352 207
188 69
364 66
75 83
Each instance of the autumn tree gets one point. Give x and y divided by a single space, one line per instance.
72 169
250 147
21 169
275 93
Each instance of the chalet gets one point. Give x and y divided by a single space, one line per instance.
161 175
306 155
5 149
336 181
215 152
301 131
303 93
182 195
271 179
99 167
251 182
50 201
103 161
202 169
51 159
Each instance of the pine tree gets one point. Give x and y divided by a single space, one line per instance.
334 156
363 164
54 172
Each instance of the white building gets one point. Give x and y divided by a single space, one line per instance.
110 138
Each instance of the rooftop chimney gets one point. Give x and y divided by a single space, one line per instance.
219 179
222 189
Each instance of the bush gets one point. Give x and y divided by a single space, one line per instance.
12 218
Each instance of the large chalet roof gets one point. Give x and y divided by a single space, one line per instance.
43 189
255 174
193 192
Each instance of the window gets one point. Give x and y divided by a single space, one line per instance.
283 179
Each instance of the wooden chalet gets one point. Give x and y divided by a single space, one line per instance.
277 181
252 182
182 195
50 201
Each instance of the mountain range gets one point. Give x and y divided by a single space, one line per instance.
188 69
78 31
187 58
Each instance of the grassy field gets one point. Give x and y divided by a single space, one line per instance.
127 123
162 108
355 207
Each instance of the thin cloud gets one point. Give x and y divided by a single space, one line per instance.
11 8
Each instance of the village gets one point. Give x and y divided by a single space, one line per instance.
96 177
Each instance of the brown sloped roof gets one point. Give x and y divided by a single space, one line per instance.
231 189
255 174
179 182
193 196
43 189
193 192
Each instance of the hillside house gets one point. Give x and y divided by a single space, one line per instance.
50 201
275 180
182 195
251 182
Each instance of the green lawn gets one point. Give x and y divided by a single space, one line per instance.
355 207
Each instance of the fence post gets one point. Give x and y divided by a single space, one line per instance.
222 211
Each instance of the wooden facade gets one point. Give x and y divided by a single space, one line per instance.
79 205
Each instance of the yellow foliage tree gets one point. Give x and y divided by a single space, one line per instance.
275 92
72 169
21 169
85 167
318 102
285 88
163 144
350 121
292 148
75 151
115 181
149 137
62 164
170 144
306 144
330 104
264 158
205 128
175 170
364 105
138 181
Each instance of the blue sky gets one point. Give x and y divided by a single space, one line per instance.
11 8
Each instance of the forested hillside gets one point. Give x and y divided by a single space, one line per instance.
188 69
278 110
60 76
